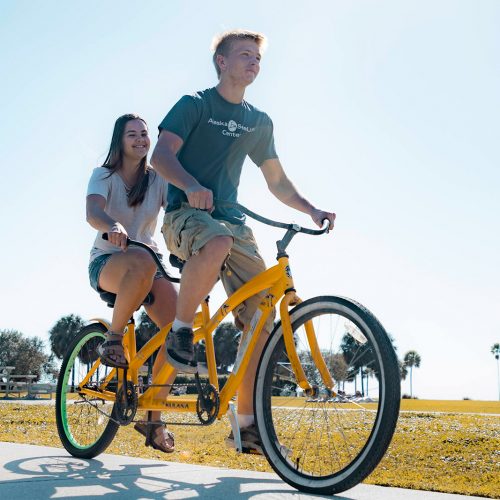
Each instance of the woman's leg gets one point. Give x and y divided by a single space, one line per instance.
162 312
129 275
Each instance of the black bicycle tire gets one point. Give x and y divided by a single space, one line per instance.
380 438
111 428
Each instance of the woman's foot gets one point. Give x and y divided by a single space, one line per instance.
112 352
160 439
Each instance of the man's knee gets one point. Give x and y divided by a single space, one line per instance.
218 247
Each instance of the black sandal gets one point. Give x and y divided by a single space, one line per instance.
112 352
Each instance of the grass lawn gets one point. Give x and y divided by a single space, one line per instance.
456 450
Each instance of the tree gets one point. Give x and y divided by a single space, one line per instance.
27 354
495 350
357 356
360 357
145 331
337 366
226 341
403 370
412 359
335 362
63 332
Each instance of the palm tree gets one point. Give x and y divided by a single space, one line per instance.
412 359
145 331
495 350
63 332
403 370
226 340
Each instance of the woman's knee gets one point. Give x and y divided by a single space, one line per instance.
141 264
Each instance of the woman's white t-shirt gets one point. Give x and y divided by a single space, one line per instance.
139 221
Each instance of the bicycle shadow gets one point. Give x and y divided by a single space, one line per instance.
59 476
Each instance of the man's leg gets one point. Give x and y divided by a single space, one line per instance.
204 243
199 276
245 390
244 263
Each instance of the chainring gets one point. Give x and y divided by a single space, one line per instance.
126 404
207 404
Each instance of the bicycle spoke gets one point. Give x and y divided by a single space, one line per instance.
84 421
324 432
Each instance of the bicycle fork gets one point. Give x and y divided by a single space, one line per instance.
291 299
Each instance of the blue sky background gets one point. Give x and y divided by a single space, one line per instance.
385 112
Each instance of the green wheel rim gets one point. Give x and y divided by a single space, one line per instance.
69 366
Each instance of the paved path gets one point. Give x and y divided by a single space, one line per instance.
38 472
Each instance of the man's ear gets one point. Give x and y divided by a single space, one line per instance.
221 61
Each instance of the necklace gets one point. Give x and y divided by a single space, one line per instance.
127 185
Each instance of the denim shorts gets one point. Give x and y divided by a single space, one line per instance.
97 265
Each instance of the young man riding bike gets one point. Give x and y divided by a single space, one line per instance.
203 142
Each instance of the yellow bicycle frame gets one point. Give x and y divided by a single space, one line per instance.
277 281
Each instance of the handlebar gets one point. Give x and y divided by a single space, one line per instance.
293 227
159 264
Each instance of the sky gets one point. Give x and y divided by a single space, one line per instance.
384 112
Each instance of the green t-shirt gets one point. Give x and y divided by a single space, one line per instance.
218 135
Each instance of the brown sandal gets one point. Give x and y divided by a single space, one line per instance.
112 352
162 441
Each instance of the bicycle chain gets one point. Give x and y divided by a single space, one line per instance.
109 417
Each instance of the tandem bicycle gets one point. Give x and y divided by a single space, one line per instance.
327 390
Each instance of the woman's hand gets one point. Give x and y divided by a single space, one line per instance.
118 236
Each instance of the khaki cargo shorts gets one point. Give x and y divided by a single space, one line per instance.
187 230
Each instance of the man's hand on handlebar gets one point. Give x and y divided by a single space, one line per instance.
200 197
117 236
318 216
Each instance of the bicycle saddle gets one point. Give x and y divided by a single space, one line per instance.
176 262
110 298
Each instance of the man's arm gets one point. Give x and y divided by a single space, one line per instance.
282 187
165 162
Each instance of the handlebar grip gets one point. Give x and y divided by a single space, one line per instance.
105 237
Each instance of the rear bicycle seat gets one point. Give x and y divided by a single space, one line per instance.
110 298
176 262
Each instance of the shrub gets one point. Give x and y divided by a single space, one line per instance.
407 396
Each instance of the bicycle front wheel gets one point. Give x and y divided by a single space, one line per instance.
328 440
83 423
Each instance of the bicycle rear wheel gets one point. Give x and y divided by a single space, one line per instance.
328 442
83 423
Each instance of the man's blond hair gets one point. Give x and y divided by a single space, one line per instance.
222 43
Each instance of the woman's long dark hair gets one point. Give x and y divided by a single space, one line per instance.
114 160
